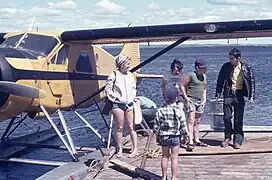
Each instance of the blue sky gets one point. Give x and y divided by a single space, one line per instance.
83 14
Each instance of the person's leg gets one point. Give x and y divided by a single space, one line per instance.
174 162
118 115
238 121
164 161
196 127
190 123
196 131
227 109
132 132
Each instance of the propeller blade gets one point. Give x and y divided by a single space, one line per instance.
21 90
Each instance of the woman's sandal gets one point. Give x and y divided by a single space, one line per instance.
119 154
201 144
132 155
190 147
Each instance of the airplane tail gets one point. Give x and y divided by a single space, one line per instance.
132 50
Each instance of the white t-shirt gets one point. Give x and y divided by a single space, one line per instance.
172 81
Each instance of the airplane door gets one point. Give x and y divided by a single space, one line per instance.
59 83
84 64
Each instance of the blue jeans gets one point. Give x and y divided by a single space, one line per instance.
169 141
236 100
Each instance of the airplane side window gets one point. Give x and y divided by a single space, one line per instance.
62 55
84 63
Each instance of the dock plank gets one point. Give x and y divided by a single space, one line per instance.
219 167
111 173
253 161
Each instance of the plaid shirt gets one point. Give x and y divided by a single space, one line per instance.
170 121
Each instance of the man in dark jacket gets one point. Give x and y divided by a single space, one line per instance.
237 80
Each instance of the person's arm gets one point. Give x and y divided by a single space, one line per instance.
134 89
184 81
184 129
204 96
220 81
157 122
163 87
138 101
109 87
183 124
252 84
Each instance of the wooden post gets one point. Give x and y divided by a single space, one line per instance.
147 146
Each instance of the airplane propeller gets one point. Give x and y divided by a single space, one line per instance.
21 90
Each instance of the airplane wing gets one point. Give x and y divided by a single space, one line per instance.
173 32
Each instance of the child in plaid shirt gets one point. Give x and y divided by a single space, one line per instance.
170 125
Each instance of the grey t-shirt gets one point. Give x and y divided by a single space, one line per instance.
172 81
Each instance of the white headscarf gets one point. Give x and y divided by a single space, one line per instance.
120 60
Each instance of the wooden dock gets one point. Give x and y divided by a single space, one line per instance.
252 161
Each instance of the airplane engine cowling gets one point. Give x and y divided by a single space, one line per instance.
5 75
15 98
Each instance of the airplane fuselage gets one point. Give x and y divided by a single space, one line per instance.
67 73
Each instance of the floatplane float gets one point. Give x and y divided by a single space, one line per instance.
44 72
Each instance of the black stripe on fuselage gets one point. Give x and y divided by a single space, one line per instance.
52 75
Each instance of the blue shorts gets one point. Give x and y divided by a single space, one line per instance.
122 106
169 141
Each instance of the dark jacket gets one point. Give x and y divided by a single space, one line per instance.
224 81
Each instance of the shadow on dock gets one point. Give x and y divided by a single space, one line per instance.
252 161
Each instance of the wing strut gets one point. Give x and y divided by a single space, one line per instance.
155 56
168 48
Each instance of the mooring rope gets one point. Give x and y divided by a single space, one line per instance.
152 153
92 165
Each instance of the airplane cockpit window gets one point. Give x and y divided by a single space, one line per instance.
31 43
62 55
84 63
